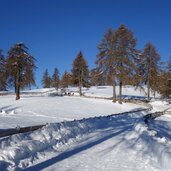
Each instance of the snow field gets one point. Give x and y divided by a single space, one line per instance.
20 151
30 111
69 142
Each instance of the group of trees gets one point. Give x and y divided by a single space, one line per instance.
118 62
53 81
17 69
117 57
79 75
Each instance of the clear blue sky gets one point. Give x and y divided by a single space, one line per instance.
56 30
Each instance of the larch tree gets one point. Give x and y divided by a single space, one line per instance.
163 84
117 56
150 67
97 78
106 59
46 80
65 80
126 55
20 67
55 79
29 79
80 72
169 79
3 77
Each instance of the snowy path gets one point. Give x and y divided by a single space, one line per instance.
105 150
119 143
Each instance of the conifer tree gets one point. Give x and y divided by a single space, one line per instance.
55 79
3 77
126 54
163 84
169 79
46 80
29 79
117 56
80 72
20 66
149 68
97 78
65 80
106 60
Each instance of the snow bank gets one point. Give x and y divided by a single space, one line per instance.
19 151
152 144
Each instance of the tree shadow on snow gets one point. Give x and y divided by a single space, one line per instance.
161 127
5 107
111 131
8 109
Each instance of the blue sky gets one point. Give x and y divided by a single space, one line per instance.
56 30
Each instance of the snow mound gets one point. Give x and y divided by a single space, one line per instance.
15 149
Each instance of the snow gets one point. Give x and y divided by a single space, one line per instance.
79 136
41 90
31 111
117 143
107 91
159 105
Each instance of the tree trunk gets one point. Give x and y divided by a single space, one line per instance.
154 94
80 91
120 92
114 91
80 86
17 91
148 90
17 85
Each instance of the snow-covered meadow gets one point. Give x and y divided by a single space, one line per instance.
31 111
69 142
39 107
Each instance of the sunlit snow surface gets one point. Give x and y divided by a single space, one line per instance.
41 110
116 143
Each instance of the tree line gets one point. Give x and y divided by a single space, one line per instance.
118 62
